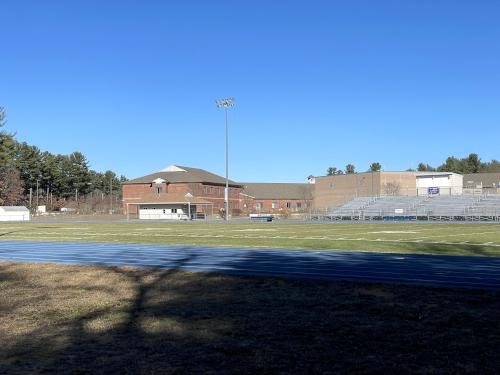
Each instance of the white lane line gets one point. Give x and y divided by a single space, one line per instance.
351 275
127 247
179 254
456 235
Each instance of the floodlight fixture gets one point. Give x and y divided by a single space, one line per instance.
225 103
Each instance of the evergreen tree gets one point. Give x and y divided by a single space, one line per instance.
472 164
452 164
375 167
10 182
422 167
7 143
28 161
331 171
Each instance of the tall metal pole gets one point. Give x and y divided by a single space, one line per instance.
226 193
37 195
226 103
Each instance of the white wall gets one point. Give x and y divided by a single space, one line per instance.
14 216
163 212
448 184
457 183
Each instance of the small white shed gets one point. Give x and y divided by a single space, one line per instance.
14 213
169 206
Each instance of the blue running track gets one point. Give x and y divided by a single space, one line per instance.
437 270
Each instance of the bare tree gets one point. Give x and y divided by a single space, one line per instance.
392 188
10 187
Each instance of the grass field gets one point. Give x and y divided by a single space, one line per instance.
93 320
425 238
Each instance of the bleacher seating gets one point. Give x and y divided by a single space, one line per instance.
460 207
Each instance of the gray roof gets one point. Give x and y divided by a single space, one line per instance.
486 179
280 191
431 173
14 209
187 175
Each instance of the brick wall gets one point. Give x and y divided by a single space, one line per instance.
211 193
280 205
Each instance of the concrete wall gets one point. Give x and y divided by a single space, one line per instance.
482 180
333 191
398 183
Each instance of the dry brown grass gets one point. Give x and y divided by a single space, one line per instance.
75 319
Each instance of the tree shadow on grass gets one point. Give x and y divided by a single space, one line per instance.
151 320
26 230
459 249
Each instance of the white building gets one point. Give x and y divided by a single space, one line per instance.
14 213
439 183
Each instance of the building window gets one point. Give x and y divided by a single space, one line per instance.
274 205
299 205
159 190
174 210
260 205
288 204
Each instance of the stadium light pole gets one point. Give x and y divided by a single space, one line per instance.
226 103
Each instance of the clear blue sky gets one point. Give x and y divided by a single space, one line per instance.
132 84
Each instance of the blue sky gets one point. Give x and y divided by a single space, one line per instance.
132 84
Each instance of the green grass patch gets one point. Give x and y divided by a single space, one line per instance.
481 239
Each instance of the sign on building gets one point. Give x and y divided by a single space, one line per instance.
433 190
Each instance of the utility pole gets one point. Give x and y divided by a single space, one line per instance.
37 197
111 194
226 103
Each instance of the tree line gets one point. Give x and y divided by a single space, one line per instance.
470 164
350 169
29 175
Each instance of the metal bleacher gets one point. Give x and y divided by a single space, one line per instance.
459 207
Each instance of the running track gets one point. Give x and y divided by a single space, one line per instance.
437 270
